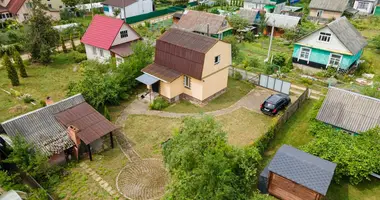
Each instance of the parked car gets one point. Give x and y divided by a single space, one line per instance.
273 104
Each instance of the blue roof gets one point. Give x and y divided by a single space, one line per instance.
147 79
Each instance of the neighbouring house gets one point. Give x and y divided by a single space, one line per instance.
377 10
20 10
107 38
294 174
337 44
350 111
326 10
188 66
251 15
67 127
365 7
280 23
127 8
271 6
204 23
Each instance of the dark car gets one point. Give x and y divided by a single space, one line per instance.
273 104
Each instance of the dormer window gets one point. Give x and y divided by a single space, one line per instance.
124 33
324 37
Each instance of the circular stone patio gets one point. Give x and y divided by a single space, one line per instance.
144 179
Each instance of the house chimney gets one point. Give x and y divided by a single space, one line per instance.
49 101
72 130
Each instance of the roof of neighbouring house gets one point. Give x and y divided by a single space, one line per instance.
119 3
91 124
15 5
261 1
282 21
350 111
122 50
3 9
303 168
197 21
183 51
162 72
102 31
248 14
330 5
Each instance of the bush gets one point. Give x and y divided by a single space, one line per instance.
159 104
279 59
81 48
270 68
237 76
78 57
27 98
215 11
307 81
249 36
365 67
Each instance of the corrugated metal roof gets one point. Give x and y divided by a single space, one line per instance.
91 124
42 129
15 5
161 72
248 14
119 3
281 21
147 79
303 168
348 35
350 111
197 21
331 5
123 50
260 1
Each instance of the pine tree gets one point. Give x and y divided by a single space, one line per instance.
72 43
12 73
19 64
63 45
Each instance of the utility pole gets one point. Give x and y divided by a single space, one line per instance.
92 10
125 13
270 42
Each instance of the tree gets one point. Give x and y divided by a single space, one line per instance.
238 22
19 64
42 37
204 166
64 49
70 3
376 42
234 45
116 11
73 43
11 70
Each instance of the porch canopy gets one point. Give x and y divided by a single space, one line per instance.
147 79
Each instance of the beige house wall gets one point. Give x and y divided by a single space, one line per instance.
326 14
23 10
196 89
215 83
55 4
224 50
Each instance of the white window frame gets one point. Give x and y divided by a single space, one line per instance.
305 59
101 52
124 31
94 50
217 58
187 82
340 60
327 37
361 3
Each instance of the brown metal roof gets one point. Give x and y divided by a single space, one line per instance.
161 72
122 50
91 124
119 3
183 51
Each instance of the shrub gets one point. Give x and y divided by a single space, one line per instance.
27 98
19 64
279 59
11 70
270 68
81 49
237 76
78 57
42 103
365 67
215 11
249 36
307 81
159 104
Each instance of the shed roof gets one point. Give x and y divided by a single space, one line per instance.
197 21
303 168
162 72
123 50
40 128
91 124
147 79
119 3
350 111
282 21
330 5
248 14
102 31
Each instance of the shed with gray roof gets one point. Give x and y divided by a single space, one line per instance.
329 5
282 21
350 111
294 174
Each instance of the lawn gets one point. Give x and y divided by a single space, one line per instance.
43 81
235 91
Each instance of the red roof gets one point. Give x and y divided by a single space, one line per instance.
102 31
15 5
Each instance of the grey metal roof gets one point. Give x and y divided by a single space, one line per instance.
248 14
40 127
330 5
350 111
348 35
303 168
282 21
260 1
147 79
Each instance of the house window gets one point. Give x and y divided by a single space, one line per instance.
60 6
94 50
49 5
363 5
186 82
217 60
304 54
335 60
124 33
28 5
324 37
101 52
319 13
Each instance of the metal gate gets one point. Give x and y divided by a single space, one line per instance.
275 84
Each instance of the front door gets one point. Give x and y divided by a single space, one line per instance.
156 87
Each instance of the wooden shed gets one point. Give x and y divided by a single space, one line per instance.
296 175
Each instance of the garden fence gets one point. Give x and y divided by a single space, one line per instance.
157 13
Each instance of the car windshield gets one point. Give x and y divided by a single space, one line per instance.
269 105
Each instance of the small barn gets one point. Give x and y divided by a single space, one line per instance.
294 174
280 23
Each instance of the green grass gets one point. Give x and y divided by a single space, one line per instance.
43 81
235 91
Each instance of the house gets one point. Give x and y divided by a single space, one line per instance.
271 6
63 128
326 10
365 7
188 66
251 15
294 174
107 38
204 23
349 111
337 44
127 8
280 23
20 10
